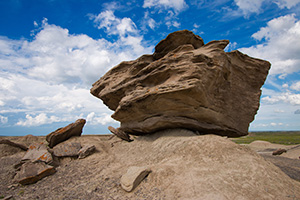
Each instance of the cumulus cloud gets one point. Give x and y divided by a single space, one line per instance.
249 6
127 32
296 86
47 80
103 119
287 97
280 45
114 25
37 120
177 5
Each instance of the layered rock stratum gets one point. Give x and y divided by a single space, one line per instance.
185 84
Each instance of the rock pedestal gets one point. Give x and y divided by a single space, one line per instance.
185 84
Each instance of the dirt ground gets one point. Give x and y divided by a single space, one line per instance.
184 166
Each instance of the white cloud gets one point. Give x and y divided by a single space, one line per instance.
281 46
290 98
287 3
3 119
249 6
296 86
48 79
103 119
148 21
177 5
38 120
114 25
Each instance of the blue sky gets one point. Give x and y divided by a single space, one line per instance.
51 51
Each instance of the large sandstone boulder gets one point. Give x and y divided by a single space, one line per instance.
185 84
62 134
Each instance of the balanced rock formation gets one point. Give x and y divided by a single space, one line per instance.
62 134
185 84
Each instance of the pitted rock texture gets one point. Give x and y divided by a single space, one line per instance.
38 152
185 84
32 172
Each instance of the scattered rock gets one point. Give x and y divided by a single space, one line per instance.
32 172
8 197
62 134
38 152
120 134
67 149
185 84
14 144
279 152
133 177
86 151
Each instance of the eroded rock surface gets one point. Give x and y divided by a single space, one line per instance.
67 149
62 134
86 150
185 84
38 152
32 172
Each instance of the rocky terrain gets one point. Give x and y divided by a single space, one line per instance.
177 108
183 166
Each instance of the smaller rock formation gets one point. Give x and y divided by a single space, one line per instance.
32 172
133 177
278 152
120 134
85 151
67 149
38 152
62 134
14 144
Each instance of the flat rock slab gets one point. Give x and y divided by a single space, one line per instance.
120 134
62 134
86 150
38 152
133 177
67 149
14 144
32 172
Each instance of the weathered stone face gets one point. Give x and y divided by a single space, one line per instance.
62 134
193 86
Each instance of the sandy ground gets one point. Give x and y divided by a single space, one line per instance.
184 166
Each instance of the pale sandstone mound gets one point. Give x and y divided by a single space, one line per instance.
185 84
183 166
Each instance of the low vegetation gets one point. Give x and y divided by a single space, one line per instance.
280 137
